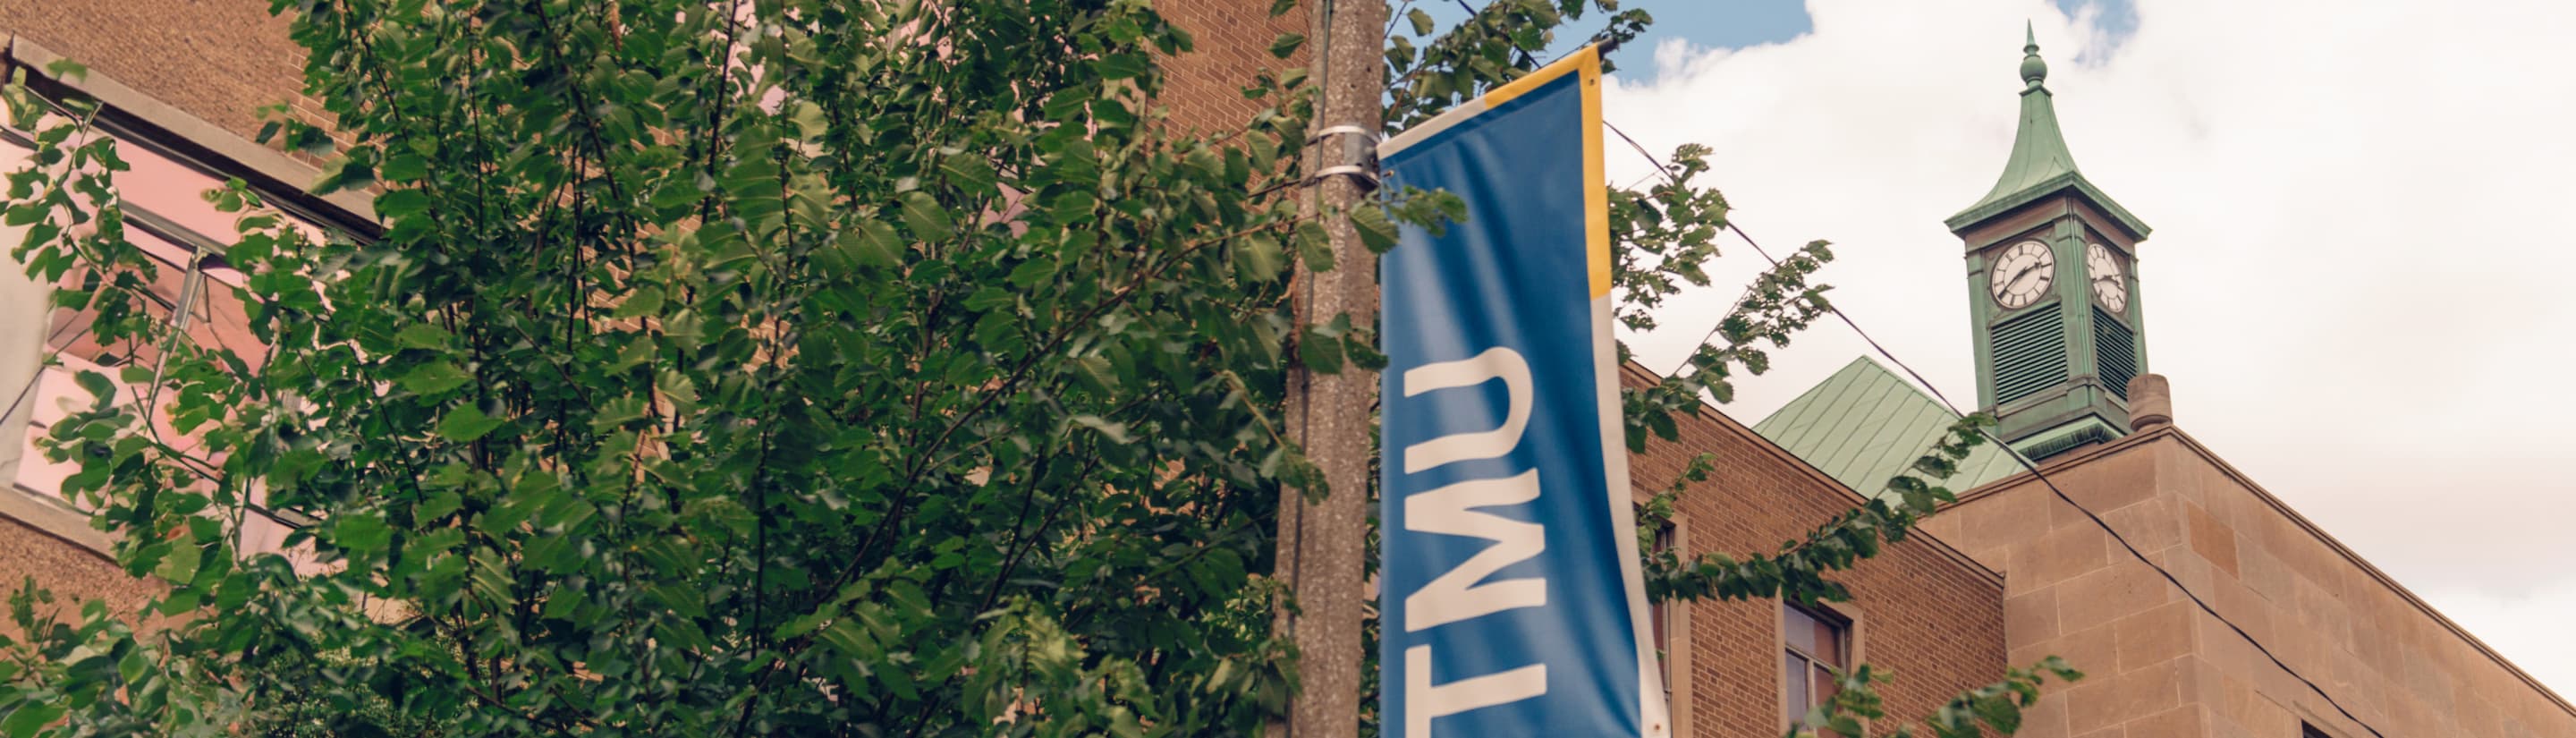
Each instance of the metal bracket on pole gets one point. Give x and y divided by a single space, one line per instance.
1359 146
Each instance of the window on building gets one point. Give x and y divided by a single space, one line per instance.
1817 646
183 235
2311 731
1660 614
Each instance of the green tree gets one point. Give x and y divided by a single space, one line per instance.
862 368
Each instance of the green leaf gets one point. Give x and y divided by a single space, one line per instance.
1322 354
2000 712
365 534
396 204
1421 22
1376 231
871 243
101 391
1314 246
645 300
810 122
1257 258
1116 431
466 423
1121 66
180 565
438 506
404 168
31 716
1286 45
1032 272
679 192
987 298
422 336
682 601
849 638
806 623
969 172
562 603
925 217
434 377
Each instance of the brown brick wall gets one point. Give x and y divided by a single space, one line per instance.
220 60
1924 612
1204 88
70 571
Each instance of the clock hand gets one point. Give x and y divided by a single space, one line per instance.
2017 276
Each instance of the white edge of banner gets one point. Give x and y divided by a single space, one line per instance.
1654 716
1439 123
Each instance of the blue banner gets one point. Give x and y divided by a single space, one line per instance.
1511 602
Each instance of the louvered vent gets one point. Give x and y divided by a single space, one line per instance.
2062 444
2030 353
2117 350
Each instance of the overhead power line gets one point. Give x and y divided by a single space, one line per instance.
2026 463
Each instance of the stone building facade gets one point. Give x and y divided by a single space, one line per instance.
2198 603
2162 666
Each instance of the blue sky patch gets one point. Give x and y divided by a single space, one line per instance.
1733 25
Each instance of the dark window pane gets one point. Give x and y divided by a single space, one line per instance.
1660 615
1796 681
1800 628
1829 644
1826 688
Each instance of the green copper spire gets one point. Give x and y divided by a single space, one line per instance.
2040 163
2039 151
2033 69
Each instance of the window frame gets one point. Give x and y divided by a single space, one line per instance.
1673 644
140 121
1664 616
1847 622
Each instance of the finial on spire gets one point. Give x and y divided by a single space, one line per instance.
2033 70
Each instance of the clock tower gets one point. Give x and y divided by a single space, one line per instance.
2052 290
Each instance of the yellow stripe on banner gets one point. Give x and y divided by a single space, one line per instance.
1596 183
1586 62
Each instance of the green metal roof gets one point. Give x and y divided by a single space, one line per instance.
2040 163
1864 425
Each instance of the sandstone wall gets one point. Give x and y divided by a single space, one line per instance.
2160 666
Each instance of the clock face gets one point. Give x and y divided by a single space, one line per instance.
2104 271
2021 274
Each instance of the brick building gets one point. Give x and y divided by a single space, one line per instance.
2005 577
1921 609
1924 609
184 127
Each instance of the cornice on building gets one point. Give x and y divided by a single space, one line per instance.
135 116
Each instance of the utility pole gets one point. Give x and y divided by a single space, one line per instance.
1323 545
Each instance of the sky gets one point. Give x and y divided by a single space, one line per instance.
2358 277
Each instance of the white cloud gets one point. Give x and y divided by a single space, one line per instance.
2530 628
2359 280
